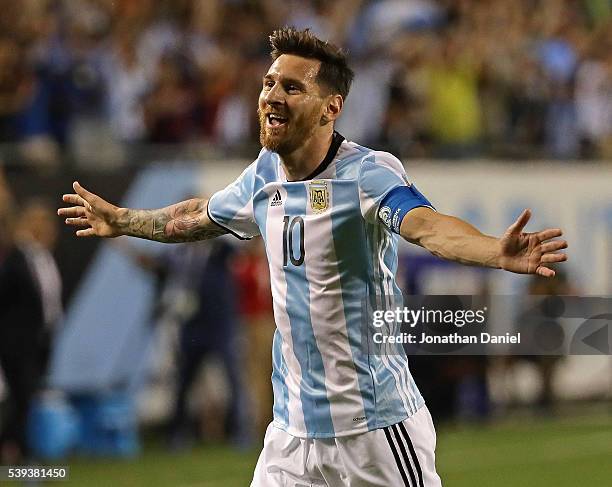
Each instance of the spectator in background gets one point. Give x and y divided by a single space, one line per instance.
127 82
529 323
594 96
234 120
558 60
406 127
169 108
16 88
211 329
194 287
454 108
158 267
226 115
255 298
30 308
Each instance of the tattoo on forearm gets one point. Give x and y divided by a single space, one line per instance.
186 221
137 224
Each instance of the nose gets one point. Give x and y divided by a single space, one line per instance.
274 95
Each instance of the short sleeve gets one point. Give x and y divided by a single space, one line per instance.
380 173
232 207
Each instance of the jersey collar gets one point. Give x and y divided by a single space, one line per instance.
337 140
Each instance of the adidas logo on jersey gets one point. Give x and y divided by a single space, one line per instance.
277 200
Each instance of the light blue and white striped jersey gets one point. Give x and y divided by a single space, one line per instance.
328 252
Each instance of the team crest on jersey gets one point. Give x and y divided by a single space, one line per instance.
319 196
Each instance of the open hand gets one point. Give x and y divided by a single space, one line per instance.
530 253
98 216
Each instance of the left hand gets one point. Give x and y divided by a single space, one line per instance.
530 253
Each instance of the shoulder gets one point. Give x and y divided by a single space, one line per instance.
379 162
259 162
350 159
385 159
358 161
259 168
265 167
363 155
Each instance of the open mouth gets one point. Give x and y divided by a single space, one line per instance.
275 121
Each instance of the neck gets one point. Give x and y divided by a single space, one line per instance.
301 162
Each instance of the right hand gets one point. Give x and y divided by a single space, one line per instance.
99 216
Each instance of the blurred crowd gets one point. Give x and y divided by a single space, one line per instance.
435 78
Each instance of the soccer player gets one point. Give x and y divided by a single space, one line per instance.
330 212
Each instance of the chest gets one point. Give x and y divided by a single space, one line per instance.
305 221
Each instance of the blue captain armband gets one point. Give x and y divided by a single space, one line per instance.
397 203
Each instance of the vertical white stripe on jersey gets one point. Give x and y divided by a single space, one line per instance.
274 248
394 357
397 369
329 322
381 303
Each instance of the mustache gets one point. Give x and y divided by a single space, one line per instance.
265 113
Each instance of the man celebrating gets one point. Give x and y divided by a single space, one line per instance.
330 212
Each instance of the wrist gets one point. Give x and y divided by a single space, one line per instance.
497 261
122 220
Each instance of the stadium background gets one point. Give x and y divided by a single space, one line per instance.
493 107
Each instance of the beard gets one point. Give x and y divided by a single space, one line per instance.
289 136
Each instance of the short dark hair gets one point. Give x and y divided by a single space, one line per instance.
334 71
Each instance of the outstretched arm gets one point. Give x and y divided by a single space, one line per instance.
454 239
182 222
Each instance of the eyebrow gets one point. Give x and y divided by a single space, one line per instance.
283 80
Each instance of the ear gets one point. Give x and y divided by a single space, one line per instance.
333 108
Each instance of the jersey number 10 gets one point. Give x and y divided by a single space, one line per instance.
288 227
